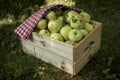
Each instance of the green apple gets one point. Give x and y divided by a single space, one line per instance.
69 42
64 31
77 22
62 19
88 27
57 36
51 16
42 24
72 4
85 32
70 15
86 16
63 2
44 32
54 26
75 35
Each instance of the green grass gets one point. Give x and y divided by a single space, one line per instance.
16 65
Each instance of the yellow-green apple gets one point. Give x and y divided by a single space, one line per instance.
42 24
86 16
77 22
85 32
75 35
62 19
69 42
88 27
57 36
69 15
54 26
64 31
63 2
51 16
44 32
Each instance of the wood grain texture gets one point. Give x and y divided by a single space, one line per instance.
85 58
57 47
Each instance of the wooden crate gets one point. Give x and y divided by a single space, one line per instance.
66 57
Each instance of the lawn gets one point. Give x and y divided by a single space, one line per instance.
16 65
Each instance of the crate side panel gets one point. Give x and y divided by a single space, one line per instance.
92 38
86 57
47 56
57 47
58 61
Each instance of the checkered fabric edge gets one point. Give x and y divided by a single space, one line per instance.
25 29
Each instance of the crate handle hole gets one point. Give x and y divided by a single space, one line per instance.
89 45
92 42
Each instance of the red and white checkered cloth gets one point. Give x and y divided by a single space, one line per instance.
26 28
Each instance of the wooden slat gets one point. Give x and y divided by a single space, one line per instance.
27 47
58 61
57 47
85 58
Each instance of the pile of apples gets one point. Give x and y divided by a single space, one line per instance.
63 2
66 26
